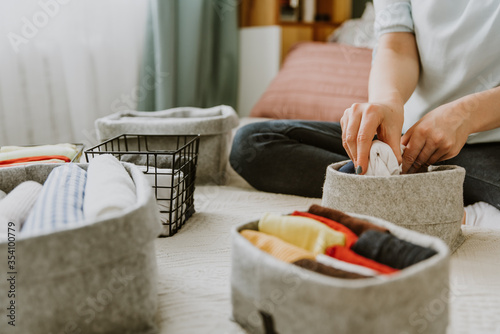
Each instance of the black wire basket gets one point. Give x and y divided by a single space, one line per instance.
168 162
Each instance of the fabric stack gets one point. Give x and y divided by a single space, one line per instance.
11 156
333 243
70 197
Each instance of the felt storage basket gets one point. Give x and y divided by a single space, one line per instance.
272 296
430 202
213 124
98 278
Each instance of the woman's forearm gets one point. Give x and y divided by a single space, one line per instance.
395 70
481 111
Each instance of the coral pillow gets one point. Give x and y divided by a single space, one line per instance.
318 81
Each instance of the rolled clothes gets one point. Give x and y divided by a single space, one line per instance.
303 232
345 266
347 255
390 250
358 226
348 168
383 161
161 160
17 152
350 237
17 205
60 204
161 180
326 270
276 247
109 188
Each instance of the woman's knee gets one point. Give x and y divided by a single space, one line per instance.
244 148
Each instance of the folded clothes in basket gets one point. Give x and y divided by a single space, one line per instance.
155 160
20 154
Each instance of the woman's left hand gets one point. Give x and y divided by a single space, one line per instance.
439 135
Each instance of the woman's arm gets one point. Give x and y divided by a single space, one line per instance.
393 78
441 134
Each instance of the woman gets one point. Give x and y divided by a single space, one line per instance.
434 78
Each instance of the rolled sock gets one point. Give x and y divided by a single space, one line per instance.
60 204
109 189
350 237
326 270
383 161
2 195
390 250
276 247
17 205
358 226
302 232
346 266
347 255
348 168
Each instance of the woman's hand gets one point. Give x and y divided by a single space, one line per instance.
362 121
439 135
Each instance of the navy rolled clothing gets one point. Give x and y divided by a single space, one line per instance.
348 168
291 157
390 250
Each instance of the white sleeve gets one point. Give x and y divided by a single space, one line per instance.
392 16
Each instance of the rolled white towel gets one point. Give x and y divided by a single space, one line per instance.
109 189
17 205
382 161
60 204
2 195
346 266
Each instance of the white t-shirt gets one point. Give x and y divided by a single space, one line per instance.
459 46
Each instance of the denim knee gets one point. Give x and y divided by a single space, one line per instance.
243 149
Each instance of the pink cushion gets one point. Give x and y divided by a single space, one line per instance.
318 81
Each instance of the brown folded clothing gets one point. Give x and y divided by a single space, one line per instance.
358 226
326 270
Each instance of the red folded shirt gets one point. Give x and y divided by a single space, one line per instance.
347 255
40 158
350 236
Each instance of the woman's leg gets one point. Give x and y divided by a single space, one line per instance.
287 156
482 178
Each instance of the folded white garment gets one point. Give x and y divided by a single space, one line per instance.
161 179
382 161
109 189
342 265
483 215
17 205
60 204
16 152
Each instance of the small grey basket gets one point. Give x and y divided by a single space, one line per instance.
272 296
430 202
98 278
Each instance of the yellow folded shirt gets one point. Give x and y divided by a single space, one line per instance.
302 232
276 247
16 152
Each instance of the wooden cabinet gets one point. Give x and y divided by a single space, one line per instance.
329 14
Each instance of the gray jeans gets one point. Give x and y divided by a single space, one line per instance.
291 157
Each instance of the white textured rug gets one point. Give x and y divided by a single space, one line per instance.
194 266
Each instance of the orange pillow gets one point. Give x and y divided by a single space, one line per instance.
317 81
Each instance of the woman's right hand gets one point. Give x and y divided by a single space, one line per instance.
362 121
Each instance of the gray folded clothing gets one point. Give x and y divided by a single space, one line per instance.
157 160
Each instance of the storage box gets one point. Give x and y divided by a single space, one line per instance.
99 278
272 296
213 124
430 202
169 162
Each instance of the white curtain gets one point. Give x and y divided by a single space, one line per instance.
64 63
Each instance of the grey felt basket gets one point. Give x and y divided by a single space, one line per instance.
213 124
99 278
430 202
272 296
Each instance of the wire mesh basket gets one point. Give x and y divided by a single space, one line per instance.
168 162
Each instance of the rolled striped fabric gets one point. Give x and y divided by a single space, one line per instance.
60 204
